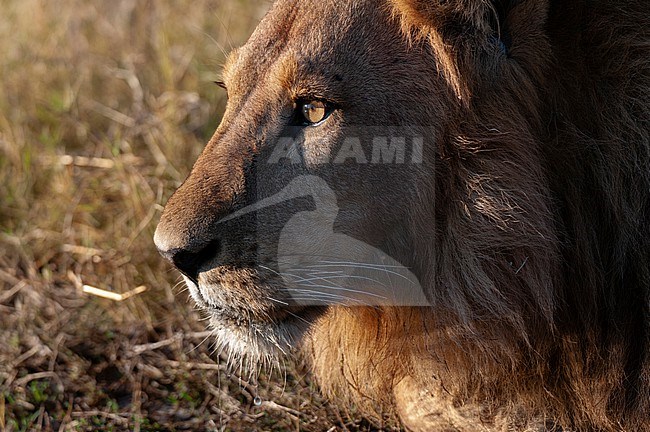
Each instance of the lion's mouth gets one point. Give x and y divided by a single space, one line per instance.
287 316
259 330
244 335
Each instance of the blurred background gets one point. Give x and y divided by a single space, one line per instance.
104 106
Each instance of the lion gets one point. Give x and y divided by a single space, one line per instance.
475 173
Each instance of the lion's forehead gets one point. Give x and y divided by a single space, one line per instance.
334 50
308 31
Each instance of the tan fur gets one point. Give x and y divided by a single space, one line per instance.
528 222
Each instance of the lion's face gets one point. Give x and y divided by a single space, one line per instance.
321 123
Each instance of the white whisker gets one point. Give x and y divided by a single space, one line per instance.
338 288
278 301
316 294
327 279
363 266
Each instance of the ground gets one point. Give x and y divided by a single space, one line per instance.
104 106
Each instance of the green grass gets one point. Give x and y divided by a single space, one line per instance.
104 106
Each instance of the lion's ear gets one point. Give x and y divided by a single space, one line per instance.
436 14
468 34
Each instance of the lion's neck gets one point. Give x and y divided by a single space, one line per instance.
385 360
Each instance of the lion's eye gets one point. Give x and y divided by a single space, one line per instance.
311 112
314 111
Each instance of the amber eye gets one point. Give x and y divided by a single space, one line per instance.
311 112
314 111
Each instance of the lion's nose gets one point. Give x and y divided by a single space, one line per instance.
187 260
189 234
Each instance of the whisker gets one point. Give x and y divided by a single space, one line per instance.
299 317
323 302
209 336
348 290
320 296
324 272
364 266
278 301
312 293
344 277
333 260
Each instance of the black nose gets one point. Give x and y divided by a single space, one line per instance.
189 262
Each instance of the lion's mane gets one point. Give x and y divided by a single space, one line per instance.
541 272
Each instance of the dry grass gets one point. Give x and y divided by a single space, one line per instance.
103 108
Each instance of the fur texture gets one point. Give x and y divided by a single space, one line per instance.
528 222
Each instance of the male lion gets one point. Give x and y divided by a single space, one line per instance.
474 173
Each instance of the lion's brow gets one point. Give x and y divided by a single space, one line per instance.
228 66
286 73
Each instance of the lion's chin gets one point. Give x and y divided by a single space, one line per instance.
259 342
255 335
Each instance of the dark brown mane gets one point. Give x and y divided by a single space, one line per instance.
544 299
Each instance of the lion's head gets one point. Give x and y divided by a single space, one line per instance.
381 196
